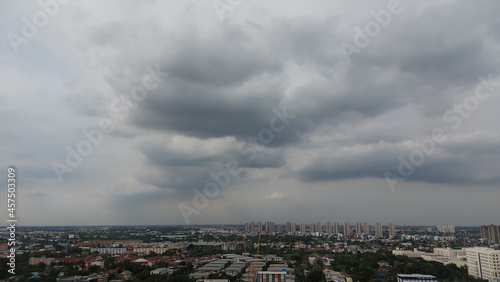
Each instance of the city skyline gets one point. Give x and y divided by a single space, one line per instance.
228 251
185 112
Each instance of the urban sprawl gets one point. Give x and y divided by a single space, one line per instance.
256 251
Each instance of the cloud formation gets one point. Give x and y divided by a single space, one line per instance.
352 120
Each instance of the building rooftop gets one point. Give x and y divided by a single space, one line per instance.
416 277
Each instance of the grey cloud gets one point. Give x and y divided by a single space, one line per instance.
352 121
459 161
183 171
226 58
206 112
163 155
182 180
87 102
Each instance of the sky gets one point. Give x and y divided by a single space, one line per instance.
230 111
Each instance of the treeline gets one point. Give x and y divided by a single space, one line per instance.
365 266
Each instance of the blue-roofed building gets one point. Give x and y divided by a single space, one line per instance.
34 276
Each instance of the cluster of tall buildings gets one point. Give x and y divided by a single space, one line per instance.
491 233
268 227
446 228
329 228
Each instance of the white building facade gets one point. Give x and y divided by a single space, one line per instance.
483 262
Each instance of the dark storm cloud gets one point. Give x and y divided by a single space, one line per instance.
206 97
462 161
435 53
226 80
183 170
344 165
227 84
205 111
317 103
181 179
460 62
229 57
171 157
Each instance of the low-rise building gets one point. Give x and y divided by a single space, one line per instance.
333 276
126 275
147 250
274 258
162 271
79 279
99 263
109 251
267 276
449 252
416 278
412 254
36 261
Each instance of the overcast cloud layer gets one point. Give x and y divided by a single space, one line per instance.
352 117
